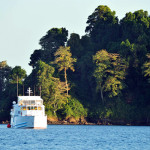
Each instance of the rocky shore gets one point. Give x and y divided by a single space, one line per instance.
83 121
68 121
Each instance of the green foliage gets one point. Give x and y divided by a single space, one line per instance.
102 27
64 61
53 39
58 96
63 58
74 109
17 72
109 73
52 89
134 25
35 57
41 76
76 47
146 68
4 76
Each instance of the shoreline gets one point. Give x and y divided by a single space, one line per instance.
91 124
116 123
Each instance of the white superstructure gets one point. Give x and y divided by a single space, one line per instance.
29 112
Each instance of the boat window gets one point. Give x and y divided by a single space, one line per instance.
39 108
26 102
28 108
23 108
39 102
32 102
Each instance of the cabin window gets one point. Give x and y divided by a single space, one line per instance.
26 102
39 108
23 108
32 102
28 108
39 102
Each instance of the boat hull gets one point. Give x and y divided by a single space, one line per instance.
36 122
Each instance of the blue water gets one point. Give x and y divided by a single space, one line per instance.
76 137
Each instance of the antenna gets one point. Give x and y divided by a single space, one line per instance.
29 91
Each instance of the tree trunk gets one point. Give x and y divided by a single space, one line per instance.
17 86
66 80
102 97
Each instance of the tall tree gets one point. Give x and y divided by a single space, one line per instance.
58 98
41 76
35 57
17 72
102 26
109 73
53 39
146 68
4 74
64 60
75 45
135 25
52 89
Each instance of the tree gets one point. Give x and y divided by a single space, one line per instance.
52 89
109 73
58 98
64 60
17 72
41 76
53 39
102 26
35 57
75 45
4 74
146 68
135 25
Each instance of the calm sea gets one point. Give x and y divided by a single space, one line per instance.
76 137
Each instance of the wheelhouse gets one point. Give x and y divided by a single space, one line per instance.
31 105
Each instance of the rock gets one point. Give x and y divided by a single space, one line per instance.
72 120
52 120
82 120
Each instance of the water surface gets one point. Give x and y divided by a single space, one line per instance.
76 137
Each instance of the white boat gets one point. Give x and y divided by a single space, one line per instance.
28 112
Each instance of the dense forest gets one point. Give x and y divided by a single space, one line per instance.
101 77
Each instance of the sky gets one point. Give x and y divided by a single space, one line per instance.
24 22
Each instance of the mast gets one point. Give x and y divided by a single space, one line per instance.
29 91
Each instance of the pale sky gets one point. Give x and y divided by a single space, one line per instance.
24 22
